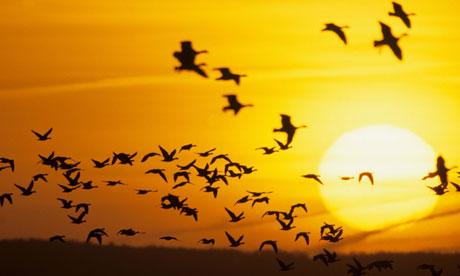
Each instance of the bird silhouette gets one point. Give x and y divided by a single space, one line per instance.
148 155
88 185
234 104
283 146
84 206
260 200
187 147
66 189
368 175
186 167
26 191
8 161
159 172
207 241
66 204
39 176
43 137
129 232
380 265
143 192
399 12
330 227
336 29
257 194
333 237
189 212
284 266
304 235
182 174
178 185
123 158
206 153
457 186
327 257
6 196
187 56
356 269
346 178
242 200
267 150
210 189
234 218
168 157
113 183
314 177
97 234
288 128
227 75
441 171
57 238
233 242
102 164
79 219
390 40
431 268
439 189
271 243
285 226
169 238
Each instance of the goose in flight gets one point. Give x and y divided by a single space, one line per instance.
381 265
210 189
439 189
390 40
168 157
357 269
441 171
123 158
284 266
234 104
283 146
39 176
8 161
79 219
187 56
66 189
330 228
95 234
6 196
187 147
26 191
271 243
221 156
346 178
399 12
84 206
57 238
333 237
267 150
129 232
181 184
99 165
182 174
169 238
336 29
227 75
66 204
159 172
368 175
114 183
143 192
242 200
314 177
304 235
288 128
207 241
189 212
88 185
285 226
148 155
43 137
257 194
233 242
327 257
206 153
234 218
186 167
260 200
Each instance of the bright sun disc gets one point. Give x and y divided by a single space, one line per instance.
397 157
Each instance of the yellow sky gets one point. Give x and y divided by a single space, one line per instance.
101 74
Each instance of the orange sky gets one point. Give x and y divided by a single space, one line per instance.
101 74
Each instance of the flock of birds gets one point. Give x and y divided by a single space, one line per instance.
228 169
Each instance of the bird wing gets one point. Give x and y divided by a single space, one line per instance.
48 132
230 238
163 176
231 214
286 121
163 152
397 7
200 71
37 134
386 31
396 50
21 188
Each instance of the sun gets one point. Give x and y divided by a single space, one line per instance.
397 158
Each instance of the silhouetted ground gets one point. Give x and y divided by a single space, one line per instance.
19 257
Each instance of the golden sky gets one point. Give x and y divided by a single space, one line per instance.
101 74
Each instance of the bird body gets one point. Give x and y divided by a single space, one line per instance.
390 40
233 242
234 104
399 12
336 29
288 128
43 137
226 74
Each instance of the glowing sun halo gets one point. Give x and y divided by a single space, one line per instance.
397 157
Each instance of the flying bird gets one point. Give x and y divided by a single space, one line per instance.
98 164
206 153
368 175
66 204
257 194
242 200
284 266
271 243
66 189
211 189
187 147
129 232
399 12
43 137
336 29
189 212
227 75
260 200
233 242
207 241
169 238
283 146
41 176
26 191
327 257
380 265
287 127
148 155
234 218
314 177
346 178
234 104
304 235
431 268
390 40
57 238
181 184
79 219
159 172
357 269
168 157
187 56
143 192
267 150
123 158
113 183
8 161
6 196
